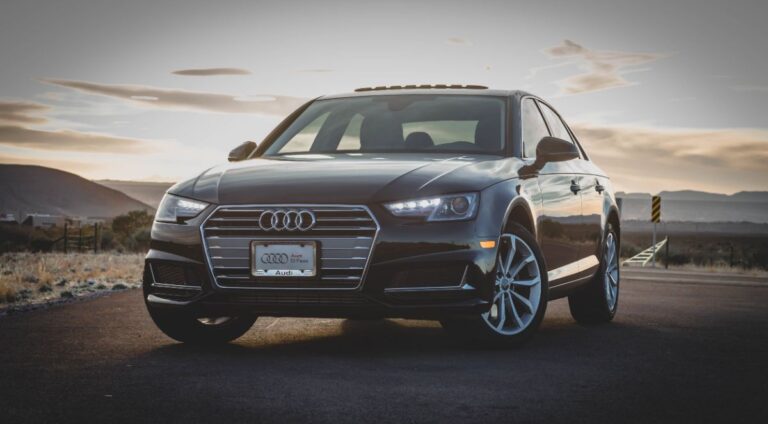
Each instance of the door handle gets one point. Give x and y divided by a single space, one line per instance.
599 187
575 188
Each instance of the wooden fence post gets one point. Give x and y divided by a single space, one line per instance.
80 240
66 239
730 261
95 236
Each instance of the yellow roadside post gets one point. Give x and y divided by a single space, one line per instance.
655 218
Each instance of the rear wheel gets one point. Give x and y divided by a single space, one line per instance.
598 302
202 331
520 293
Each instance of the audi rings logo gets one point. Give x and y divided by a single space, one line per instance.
274 258
287 220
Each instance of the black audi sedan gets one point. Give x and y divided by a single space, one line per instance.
470 206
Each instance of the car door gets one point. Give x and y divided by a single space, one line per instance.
592 182
592 192
560 211
588 233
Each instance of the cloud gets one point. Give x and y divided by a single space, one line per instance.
207 72
18 136
751 88
315 71
650 159
22 112
188 100
458 41
67 165
604 69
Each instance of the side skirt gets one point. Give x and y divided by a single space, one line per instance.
572 277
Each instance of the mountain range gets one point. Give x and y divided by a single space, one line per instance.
693 195
26 189
697 206
146 192
34 189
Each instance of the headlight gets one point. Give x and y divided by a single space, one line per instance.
178 209
454 207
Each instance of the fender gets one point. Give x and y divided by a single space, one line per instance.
527 204
528 197
500 200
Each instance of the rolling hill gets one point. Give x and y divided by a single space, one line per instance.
28 189
147 192
34 189
698 206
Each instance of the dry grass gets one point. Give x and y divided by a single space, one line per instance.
40 277
720 269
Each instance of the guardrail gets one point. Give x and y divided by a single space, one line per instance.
647 255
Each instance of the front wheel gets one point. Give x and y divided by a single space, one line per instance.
201 331
598 301
520 293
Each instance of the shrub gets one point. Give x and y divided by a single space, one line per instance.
628 250
7 295
108 239
126 225
29 278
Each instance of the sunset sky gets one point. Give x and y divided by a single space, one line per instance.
664 95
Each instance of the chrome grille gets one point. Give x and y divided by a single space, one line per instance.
344 236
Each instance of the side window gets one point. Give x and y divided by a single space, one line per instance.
534 128
555 123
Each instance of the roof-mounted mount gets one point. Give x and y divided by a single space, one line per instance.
422 86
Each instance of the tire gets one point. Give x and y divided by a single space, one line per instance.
598 301
510 321
186 328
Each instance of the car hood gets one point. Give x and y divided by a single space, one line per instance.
345 178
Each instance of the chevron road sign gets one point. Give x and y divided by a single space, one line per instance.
656 209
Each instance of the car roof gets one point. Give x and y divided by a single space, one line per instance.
429 91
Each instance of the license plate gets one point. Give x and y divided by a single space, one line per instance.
283 259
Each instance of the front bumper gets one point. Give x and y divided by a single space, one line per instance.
415 270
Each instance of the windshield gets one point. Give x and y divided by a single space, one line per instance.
397 123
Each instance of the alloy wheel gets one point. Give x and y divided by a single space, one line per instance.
611 283
517 291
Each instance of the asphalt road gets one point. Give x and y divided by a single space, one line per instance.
678 351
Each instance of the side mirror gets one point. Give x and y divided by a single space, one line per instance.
549 149
242 152
553 149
